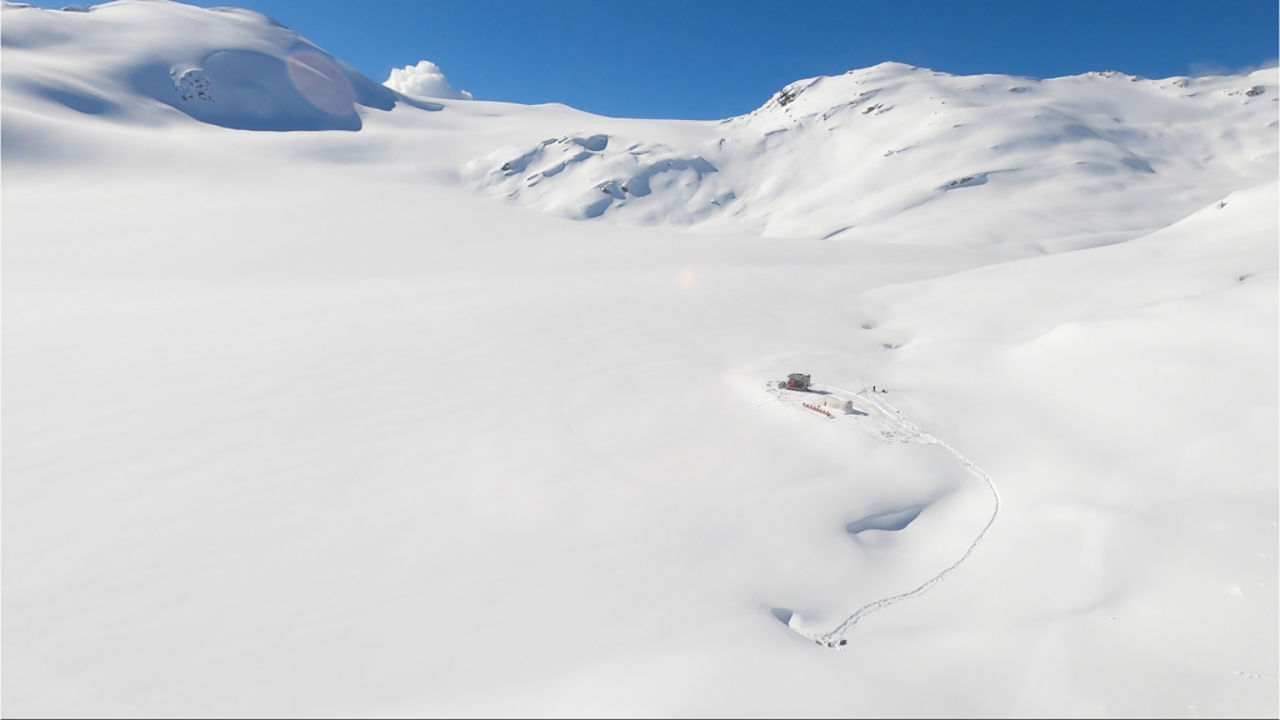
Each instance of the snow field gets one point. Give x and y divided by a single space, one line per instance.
302 423
366 385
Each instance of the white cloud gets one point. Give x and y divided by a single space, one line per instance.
423 80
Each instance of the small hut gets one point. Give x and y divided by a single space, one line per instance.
798 381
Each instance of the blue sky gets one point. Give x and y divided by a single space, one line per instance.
710 59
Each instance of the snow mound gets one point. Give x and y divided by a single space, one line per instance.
227 67
424 80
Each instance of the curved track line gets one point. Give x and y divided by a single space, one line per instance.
836 638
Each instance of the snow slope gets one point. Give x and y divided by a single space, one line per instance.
303 423
897 152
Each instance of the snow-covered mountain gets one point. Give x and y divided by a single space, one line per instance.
420 405
897 150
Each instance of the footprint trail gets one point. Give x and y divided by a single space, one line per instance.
895 425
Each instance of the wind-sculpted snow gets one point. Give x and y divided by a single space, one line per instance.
302 89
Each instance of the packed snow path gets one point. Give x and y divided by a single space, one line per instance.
894 425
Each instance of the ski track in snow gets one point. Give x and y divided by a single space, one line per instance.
901 428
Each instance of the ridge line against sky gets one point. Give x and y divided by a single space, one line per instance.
715 59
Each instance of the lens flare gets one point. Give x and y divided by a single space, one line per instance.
688 278
319 79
